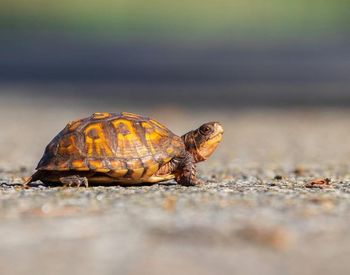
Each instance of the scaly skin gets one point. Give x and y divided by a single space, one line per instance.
200 144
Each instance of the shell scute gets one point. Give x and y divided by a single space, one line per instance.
137 173
151 166
68 146
95 164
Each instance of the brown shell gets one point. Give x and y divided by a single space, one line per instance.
119 144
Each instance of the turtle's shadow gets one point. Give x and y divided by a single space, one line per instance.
54 184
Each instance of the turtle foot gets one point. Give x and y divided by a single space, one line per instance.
74 181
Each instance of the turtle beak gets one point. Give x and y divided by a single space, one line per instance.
219 131
219 128
216 136
208 147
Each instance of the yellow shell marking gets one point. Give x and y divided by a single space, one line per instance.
102 170
151 170
73 125
100 115
62 166
130 115
128 140
134 163
80 165
116 164
95 164
170 150
96 142
118 169
151 136
118 173
137 173
158 124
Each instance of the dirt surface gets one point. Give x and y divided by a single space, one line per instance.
262 209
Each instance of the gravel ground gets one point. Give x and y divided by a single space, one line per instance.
258 212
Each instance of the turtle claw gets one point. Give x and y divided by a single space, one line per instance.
198 182
26 182
190 182
74 181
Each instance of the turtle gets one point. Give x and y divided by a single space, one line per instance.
125 149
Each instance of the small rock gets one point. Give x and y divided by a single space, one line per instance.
319 183
23 169
275 237
169 203
300 171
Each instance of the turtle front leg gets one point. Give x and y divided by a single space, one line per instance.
186 171
75 180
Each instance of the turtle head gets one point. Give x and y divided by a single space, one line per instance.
202 142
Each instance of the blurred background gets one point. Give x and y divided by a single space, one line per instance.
205 54
275 73
245 63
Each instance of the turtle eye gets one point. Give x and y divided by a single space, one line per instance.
205 129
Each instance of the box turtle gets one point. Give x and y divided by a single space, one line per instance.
126 149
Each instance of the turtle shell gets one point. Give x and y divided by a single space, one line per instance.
121 145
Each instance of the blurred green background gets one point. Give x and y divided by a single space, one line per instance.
228 52
191 19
